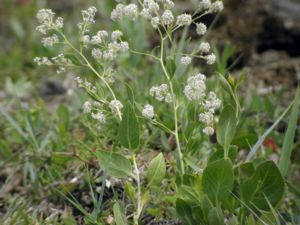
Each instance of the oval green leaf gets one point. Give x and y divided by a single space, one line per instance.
226 127
266 183
129 133
114 164
156 170
217 180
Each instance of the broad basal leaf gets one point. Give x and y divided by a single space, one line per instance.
217 180
266 182
115 164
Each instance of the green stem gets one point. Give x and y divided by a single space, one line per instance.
180 163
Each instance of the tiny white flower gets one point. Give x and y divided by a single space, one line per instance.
205 5
99 116
211 59
217 7
87 107
161 93
155 22
86 40
148 111
131 11
204 47
167 17
169 4
97 53
116 35
146 13
153 7
195 87
117 13
208 130
42 61
212 103
206 117
168 98
184 20
89 14
115 106
45 15
59 23
186 60
201 28
50 41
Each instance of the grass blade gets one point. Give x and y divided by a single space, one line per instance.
285 157
14 124
263 137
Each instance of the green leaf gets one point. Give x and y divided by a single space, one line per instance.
156 170
226 127
129 191
115 164
170 66
188 213
215 217
188 194
266 183
219 154
119 216
217 180
226 86
129 133
206 205
285 157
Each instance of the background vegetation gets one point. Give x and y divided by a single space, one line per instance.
48 170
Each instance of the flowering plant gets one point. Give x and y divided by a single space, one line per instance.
203 192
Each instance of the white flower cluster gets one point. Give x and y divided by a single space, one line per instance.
158 12
130 11
204 48
207 5
106 49
88 18
161 93
201 28
195 89
186 60
50 41
184 20
85 84
210 105
43 61
46 20
60 60
148 111
88 15
95 109
115 106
